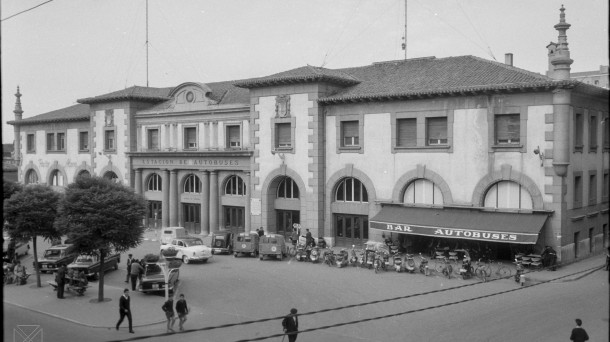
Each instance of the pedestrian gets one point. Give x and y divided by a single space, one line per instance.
168 308
261 232
291 325
308 238
579 334
135 273
61 281
129 261
20 273
141 274
125 310
182 311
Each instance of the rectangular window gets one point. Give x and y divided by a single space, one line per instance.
436 131
508 129
31 143
233 137
190 137
592 189
578 132
606 133
605 189
153 139
350 133
50 141
577 191
283 135
109 140
406 132
592 133
83 141
61 141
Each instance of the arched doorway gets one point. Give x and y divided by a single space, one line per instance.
350 228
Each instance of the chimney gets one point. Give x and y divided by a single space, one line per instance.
508 59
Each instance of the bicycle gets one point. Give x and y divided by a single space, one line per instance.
445 268
485 271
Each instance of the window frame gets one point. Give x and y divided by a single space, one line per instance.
157 182
193 182
498 107
440 141
149 138
579 127
577 190
340 138
343 185
275 122
228 142
30 146
593 126
57 178
57 140
497 132
421 131
80 141
239 186
285 184
592 198
107 131
185 136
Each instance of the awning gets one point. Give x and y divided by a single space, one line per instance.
471 224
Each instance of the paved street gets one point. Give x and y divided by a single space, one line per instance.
231 290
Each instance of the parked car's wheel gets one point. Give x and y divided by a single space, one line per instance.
185 259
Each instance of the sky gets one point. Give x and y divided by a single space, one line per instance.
65 50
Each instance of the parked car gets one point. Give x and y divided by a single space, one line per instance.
272 244
90 263
246 243
186 249
13 248
170 233
55 256
222 242
153 279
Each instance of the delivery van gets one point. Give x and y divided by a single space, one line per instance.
170 233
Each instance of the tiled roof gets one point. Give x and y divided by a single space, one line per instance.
76 112
135 93
300 75
427 76
225 93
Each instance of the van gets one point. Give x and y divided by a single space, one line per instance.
170 233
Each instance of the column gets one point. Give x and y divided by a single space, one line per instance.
205 203
247 213
138 181
165 204
173 198
213 201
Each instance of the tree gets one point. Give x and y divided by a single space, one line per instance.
9 188
98 216
31 213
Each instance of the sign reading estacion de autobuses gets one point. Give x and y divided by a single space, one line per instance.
194 162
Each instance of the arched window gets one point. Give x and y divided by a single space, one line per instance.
154 183
84 173
235 186
287 188
507 194
423 191
111 176
351 190
192 184
57 179
31 177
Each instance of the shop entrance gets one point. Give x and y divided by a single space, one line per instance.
154 214
351 230
191 214
285 220
234 219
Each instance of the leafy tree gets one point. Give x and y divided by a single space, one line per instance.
98 216
9 188
30 213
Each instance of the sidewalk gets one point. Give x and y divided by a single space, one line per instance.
146 309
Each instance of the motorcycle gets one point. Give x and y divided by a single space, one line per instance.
410 263
385 256
397 258
369 256
466 270
353 259
520 270
301 254
321 243
423 265
329 258
314 254
341 259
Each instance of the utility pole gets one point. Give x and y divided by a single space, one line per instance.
147 43
404 38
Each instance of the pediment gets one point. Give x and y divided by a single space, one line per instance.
191 95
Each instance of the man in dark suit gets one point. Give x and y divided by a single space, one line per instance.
129 261
125 310
291 325
61 281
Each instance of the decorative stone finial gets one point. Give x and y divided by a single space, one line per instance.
18 111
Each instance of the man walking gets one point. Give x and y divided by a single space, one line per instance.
129 261
61 281
182 311
125 310
579 334
136 268
168 308
291 325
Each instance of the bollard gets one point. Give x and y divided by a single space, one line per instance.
522 279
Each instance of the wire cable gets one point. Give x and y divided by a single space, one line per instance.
27 10
475 30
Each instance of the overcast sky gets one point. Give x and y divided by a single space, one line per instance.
66 50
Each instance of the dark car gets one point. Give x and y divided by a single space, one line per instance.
55 256
13 248
90 263
153 279
222 242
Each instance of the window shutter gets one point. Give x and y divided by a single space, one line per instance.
233 136
437 130
508 128
283 135
406 132
350 133
190 137
50 138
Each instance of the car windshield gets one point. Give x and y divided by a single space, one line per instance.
52 254
86 258
220 237
244 238
190 243
152 269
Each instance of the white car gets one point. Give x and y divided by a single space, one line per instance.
186 249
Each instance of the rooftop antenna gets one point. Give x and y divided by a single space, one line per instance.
147 43
404 38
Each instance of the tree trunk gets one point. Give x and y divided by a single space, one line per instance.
100 291
36 269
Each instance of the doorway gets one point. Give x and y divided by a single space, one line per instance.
154 214
285 220
351 230
191 214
